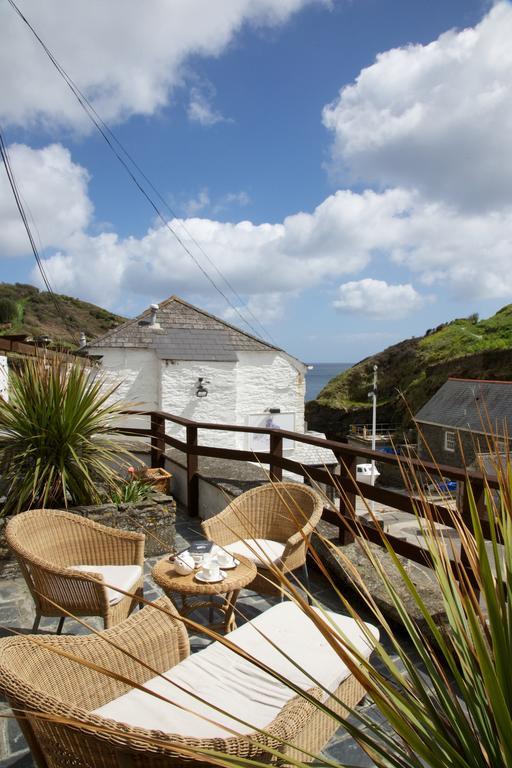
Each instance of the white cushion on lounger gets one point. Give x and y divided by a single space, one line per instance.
258 551
226 680
122 576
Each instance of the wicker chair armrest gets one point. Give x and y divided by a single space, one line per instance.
301 537
63 587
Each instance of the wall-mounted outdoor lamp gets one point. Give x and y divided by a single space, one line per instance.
201 390
274 410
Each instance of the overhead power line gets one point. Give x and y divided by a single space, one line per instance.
125 158
19 204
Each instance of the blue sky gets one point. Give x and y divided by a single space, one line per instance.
345 164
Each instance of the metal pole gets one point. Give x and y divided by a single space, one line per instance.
373 395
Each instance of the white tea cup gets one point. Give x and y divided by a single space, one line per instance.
224 559
210 570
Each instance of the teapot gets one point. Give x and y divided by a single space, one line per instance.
184 563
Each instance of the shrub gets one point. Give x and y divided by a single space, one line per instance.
55 437
8 310
131 492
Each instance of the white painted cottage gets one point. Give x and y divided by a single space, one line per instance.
178 358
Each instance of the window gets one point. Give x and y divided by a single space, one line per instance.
449 441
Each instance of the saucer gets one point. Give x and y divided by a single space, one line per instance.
220 577
234 564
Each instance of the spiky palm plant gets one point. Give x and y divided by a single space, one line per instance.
56 445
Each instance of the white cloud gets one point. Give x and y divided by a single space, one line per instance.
126 56
198 203
467 254
338 238
202 202
54 194
260 308
200 109
436 118
377 298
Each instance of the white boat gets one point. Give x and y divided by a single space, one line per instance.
364 473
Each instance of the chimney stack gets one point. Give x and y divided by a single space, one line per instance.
154 310
83 340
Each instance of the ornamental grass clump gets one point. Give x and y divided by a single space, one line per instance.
56 444
445 698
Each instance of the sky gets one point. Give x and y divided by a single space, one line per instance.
340 169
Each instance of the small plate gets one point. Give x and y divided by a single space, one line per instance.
230 567
222 576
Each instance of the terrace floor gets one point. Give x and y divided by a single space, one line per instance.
16 610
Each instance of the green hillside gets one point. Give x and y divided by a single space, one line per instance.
26 309
417 367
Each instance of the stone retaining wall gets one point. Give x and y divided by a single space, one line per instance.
155 517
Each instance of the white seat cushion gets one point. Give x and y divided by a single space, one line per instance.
122 576
222 678
258 551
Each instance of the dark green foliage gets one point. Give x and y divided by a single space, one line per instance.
417 367
36 315
131 492
8 310
55 437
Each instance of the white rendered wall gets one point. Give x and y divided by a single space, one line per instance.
268 380
136 373
236 390
178 395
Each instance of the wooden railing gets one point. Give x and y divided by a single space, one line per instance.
345 483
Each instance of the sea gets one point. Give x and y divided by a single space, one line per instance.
317 378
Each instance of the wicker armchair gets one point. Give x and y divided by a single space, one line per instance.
48 542
44 682
272 525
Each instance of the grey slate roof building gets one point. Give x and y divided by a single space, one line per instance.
465 419
181 331
470 404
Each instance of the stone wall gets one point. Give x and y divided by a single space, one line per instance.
155 517
467 445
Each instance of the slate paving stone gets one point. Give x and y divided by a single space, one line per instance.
22 760
16 607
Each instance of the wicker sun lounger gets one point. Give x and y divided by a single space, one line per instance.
45 684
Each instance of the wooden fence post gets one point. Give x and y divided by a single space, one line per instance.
276 449
348 469
192 473
157 441
478 489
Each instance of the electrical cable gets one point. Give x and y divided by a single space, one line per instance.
106 132
19 204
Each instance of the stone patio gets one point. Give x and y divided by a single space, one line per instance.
16 610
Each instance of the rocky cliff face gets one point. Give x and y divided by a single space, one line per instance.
411 372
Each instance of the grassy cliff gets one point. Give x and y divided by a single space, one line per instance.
26 309
416 368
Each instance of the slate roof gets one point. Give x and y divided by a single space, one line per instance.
480 406
186 333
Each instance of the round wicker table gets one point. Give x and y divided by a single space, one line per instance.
198 594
